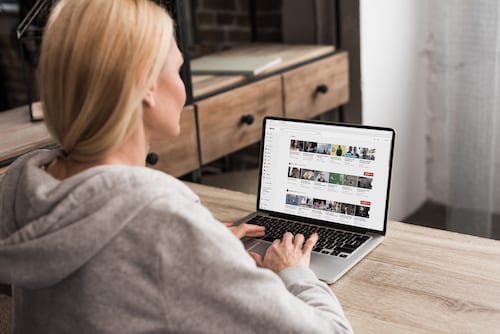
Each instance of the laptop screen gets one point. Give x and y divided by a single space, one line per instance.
326 171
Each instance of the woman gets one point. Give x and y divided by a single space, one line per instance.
94 242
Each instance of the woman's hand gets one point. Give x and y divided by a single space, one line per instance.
246 230
289 252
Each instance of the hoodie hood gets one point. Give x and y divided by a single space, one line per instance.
50 228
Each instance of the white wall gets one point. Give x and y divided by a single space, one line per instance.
462 93
393 83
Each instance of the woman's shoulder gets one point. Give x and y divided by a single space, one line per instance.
141 179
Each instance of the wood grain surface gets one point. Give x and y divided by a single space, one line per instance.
18 135
419 280
301 97
290 55
221 129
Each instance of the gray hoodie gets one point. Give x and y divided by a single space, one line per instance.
120 249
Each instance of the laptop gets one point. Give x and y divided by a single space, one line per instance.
324 177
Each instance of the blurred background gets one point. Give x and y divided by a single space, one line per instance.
428 68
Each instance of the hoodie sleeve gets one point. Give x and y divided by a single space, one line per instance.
211 284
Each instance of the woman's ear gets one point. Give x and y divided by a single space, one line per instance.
149 98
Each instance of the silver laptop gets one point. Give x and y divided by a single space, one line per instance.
330 178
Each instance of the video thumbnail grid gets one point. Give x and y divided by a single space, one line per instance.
326 205
339 150
331 178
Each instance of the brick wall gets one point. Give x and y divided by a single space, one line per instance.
222 24
216 25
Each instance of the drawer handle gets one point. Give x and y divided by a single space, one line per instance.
323 89
152 158
247 119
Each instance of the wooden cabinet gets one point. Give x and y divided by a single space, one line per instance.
232 120
317 87
179 155
309 81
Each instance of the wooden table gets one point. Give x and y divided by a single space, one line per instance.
420 280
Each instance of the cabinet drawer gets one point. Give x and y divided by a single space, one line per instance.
179 155
317 87
221 117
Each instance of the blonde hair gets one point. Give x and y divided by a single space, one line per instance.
98 60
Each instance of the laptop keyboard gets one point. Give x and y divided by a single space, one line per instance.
331 241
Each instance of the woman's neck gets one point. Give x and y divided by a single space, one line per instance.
132 152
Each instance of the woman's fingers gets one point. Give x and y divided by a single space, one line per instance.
247 230
254 230
309 245
287 238
298 241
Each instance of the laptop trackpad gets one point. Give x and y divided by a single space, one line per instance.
256 246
